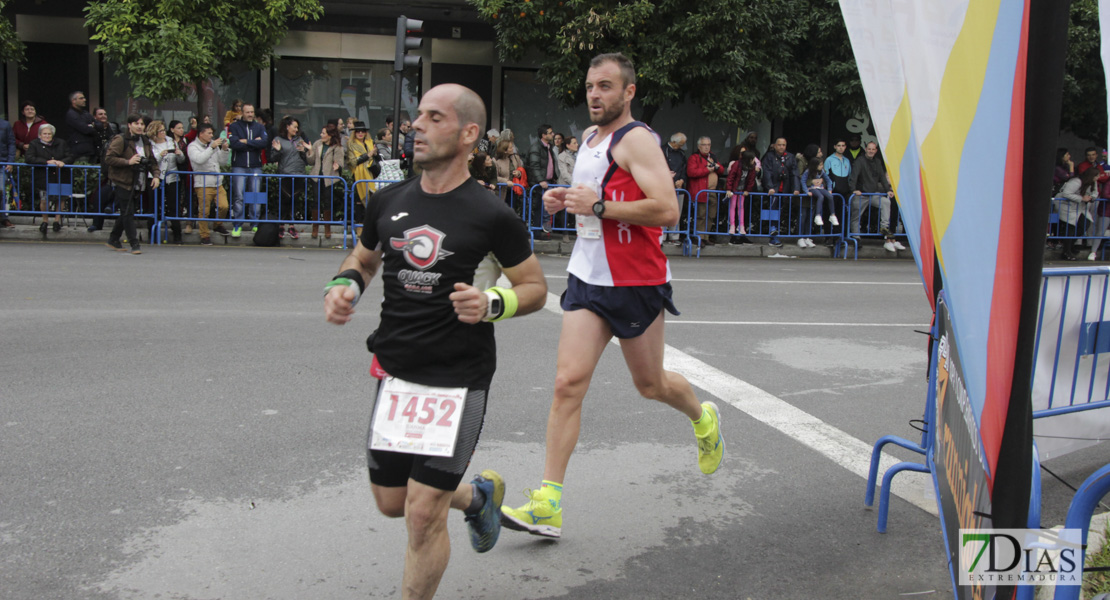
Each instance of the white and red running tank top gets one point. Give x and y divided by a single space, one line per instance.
625 254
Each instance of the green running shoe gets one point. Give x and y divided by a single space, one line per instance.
711 447
538 517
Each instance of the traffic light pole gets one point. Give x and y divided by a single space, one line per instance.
398 78
400 61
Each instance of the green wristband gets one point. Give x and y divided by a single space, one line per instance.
338 281
508 300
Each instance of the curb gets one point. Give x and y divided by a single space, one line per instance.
75 231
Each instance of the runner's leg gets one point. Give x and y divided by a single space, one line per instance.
581 342
644 356
429 546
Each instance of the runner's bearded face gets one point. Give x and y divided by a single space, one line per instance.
437 132
606 93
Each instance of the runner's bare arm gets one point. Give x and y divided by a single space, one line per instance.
338 307
529 285
639 154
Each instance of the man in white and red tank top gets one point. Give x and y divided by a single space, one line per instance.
619 283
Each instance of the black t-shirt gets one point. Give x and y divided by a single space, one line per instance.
428 243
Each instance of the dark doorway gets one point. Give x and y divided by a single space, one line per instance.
53 71
476 77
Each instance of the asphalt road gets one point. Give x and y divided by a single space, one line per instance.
183 424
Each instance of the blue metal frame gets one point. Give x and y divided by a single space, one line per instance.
338 195
1080 511
924 447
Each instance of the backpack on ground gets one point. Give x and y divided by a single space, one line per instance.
267 235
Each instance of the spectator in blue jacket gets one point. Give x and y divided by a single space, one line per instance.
7 155
247 138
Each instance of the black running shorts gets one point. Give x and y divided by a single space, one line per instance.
628 310
394 469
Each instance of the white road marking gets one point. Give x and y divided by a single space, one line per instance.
836 445
792 281
793 323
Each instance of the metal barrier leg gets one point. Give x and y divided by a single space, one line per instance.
876 454
1079 517
884 496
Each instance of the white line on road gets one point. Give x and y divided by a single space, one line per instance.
794 323
836 445
796 282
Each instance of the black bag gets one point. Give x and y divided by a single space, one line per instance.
375 165
267 235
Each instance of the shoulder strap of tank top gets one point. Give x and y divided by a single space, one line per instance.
620 133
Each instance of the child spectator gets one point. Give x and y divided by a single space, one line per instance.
816 183
743 179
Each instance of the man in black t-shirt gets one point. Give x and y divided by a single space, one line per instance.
435 340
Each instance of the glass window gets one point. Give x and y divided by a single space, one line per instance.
218 96
315 90
525 105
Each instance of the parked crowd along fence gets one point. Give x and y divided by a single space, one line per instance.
84 191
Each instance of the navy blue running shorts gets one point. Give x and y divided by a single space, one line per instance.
394 469
628 310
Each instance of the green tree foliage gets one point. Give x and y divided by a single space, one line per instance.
11 48
737 59
1084 103
161 45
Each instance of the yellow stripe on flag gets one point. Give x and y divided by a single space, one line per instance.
960 88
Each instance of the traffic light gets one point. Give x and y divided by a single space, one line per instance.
405 43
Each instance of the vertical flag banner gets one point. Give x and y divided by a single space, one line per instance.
960 92
1104 31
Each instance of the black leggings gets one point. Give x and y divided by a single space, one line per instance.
1082 224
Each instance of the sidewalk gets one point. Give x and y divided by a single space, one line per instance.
75 230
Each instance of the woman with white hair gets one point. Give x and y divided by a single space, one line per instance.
52 154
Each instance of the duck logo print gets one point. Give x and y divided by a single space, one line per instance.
423 246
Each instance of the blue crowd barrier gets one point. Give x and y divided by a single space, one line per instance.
564 222
300 200
354 220
69 191
863 219
561 222
514 199
1082 508
1078 379
1096 229
681 229
762 215
1076 340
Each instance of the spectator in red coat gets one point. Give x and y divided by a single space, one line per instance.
1092 161
703 171
26 128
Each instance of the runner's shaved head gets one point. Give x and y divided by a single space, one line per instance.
468 106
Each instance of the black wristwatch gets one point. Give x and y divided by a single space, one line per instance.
599 209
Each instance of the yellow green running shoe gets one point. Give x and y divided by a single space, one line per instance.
538 517
711 446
